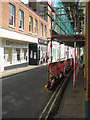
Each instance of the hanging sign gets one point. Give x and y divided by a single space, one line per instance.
40 41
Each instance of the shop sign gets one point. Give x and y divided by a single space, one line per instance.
16 44
40 41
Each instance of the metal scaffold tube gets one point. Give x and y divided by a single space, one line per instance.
74 66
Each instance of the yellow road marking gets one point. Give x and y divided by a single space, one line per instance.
50 101
55 98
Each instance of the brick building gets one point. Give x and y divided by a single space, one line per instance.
43 9
21 31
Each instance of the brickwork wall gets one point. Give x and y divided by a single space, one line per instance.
0 13
27 12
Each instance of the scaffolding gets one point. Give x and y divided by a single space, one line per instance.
61 24
62 32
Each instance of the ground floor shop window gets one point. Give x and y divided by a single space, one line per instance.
8 55
43 51
15 55
18 54
21 54
25 54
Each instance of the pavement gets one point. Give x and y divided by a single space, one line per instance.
11 72
73 103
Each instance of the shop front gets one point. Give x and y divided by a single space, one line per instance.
42 50
15 53
55 51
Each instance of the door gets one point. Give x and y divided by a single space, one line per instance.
33 54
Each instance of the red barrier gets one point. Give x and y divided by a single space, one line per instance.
57 68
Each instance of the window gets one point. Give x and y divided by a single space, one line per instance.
41 29
7 56
11 15
21 15
45 31
30 24
35 26
18 54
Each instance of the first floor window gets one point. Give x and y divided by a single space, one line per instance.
30 24
45 31
35 26
21 17
11 15
41 29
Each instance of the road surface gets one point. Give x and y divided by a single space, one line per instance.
23 95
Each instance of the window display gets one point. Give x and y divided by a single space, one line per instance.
8 55
18 54
14 55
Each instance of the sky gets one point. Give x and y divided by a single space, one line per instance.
26 1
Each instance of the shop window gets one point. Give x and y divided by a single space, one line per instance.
21 17
14 55
25 54
18 54
11 15
8 55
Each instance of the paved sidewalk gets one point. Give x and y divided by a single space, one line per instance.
73 104
10 72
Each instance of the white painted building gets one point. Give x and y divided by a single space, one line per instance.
14 48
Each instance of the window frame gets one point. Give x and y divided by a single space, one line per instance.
36 27
41 30
45 31
21 20
31 24
12 15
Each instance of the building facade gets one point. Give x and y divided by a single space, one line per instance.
20 31
44 10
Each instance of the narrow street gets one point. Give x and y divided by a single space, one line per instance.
44 59
23 95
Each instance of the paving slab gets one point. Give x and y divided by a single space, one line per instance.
73 104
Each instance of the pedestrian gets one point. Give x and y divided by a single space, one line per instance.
47 58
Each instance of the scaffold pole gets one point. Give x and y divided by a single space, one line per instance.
74 66
64 57
51 51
